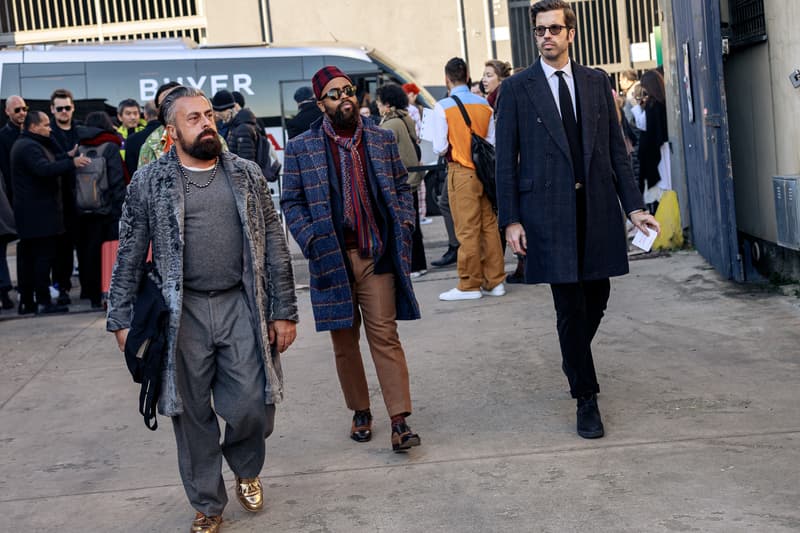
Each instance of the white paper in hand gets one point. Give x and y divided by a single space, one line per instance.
645 242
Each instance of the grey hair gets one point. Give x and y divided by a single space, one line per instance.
167 108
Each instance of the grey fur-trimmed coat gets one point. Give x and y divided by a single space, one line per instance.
154 211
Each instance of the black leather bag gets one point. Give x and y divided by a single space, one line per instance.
146 345
482 156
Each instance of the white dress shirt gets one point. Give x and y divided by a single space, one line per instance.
552 80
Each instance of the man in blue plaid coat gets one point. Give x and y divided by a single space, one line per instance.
348 206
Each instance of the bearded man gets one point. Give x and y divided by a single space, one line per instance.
349 207
226 276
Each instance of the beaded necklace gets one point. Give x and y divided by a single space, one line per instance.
188 181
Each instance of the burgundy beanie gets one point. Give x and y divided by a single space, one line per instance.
324 76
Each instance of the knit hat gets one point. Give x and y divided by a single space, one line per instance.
324 76
238 98
302 94
222 100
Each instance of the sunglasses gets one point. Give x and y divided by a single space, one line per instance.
18 109
555 29
61 108
335 94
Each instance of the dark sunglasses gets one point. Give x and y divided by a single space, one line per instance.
555 29
61 108
335 94
18 109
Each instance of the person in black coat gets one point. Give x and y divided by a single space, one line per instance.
307 112
655 135
92 229
36 173
64 134
242 136
562 174
16 110
134 143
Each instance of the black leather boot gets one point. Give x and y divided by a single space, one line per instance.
590 425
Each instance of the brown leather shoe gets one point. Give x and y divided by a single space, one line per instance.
206 524
250 493
403 438
361 430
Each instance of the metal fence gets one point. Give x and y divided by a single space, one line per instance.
606 29
48 21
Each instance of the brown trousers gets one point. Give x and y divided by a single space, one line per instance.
480 254
374 302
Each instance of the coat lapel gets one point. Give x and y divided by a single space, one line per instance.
238 185
587 99
542 97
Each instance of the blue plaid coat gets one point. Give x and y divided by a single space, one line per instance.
306 204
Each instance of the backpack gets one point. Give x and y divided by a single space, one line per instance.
270 169
483 157
92 191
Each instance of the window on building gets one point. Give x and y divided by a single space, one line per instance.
748 25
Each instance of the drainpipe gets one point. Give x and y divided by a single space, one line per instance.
266 21
462 30
488 17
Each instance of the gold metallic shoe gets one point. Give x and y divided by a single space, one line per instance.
206 524
250 493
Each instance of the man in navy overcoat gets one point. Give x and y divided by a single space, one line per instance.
562 173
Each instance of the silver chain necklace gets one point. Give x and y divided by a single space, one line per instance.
188 181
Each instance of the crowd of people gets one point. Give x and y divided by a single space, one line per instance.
64 183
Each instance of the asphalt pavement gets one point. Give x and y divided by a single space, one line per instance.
698 375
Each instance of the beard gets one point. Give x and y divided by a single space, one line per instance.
342 121
204 147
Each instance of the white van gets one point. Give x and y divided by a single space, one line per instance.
101 75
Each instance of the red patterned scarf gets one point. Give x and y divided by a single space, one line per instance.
358 214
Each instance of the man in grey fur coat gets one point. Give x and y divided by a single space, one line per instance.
226 276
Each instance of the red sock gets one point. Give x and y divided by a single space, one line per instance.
398 419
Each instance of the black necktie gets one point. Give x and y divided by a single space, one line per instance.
570 126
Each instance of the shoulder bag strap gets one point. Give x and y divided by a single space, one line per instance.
463 112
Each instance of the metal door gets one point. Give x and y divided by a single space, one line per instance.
704 119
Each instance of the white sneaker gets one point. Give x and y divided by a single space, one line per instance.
418 273
499 290
425 220
456 294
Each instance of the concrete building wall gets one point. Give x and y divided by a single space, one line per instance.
419 35
763 108
233 22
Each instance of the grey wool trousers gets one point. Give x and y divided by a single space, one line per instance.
218 356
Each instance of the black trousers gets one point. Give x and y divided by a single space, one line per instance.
579 308
418 261
35 260
91 232
64 262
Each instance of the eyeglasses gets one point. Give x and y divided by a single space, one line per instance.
555 29
18 109
335 94
61 108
